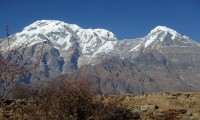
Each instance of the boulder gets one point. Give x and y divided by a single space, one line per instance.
149 107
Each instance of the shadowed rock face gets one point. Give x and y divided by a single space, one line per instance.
163 60
146 73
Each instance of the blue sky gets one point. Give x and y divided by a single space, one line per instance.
125 18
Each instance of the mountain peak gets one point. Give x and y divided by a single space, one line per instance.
167 36
50 25
164 29
63 35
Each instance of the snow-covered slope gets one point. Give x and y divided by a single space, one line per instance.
163 36
93 42
63 34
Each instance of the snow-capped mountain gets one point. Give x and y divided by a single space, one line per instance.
62 35
93 42
64 48
90 46
167 37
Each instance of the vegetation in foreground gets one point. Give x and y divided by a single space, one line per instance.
78 100
61 100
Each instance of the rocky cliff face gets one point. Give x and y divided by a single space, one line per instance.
163 60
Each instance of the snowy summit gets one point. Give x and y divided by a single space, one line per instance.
164 29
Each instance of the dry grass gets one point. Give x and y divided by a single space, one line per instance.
167 102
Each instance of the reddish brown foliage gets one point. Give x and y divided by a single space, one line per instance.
64 100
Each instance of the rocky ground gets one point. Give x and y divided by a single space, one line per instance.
161 106
151 106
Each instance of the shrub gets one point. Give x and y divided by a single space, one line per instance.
73 100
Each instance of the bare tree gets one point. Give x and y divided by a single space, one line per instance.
13 66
